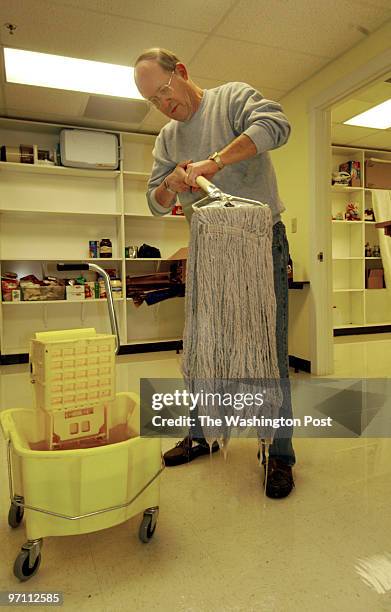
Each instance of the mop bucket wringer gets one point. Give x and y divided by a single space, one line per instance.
76 461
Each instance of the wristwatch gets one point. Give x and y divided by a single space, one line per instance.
165 183
216 158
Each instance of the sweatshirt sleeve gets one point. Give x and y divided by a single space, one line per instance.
260 119
162 166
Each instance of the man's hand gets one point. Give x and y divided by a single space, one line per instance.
176 180
206 168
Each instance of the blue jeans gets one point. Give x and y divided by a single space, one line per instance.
282 443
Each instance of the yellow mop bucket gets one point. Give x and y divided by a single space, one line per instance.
84 481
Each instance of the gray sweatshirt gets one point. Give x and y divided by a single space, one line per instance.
224 113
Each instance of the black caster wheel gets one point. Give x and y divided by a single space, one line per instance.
21 566
147 528
15 515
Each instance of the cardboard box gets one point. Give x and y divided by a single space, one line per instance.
36 294
354 169
180 253
75 293
377 174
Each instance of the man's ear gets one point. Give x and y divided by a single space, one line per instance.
181 70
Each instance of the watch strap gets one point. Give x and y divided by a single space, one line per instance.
216 158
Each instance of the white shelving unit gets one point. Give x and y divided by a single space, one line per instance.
48 214
355 306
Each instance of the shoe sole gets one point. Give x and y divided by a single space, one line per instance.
197 451
278 495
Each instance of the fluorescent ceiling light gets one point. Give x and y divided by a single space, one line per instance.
44 70
378 117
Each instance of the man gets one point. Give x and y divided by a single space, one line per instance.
223 134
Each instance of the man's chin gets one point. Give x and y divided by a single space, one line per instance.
180 113
184 117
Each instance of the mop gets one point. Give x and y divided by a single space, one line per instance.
229 342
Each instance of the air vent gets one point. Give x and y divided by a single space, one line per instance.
113 109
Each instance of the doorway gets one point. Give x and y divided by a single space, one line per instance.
321 320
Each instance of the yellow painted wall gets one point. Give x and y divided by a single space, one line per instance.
292 166
298 337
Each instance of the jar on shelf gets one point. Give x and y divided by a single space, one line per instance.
376 251
116 287
131 252
105 248
368 250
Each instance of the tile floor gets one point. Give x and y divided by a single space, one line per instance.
220 545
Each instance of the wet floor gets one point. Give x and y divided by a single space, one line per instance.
220 545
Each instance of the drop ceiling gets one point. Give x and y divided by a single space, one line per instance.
272 44
361 101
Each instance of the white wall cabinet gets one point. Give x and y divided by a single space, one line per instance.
48 214
354 305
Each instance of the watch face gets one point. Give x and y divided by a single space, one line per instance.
216 158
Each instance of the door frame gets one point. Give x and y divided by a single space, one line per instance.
320 266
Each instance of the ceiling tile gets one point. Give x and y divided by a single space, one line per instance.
268 92
54 117
378 3
53 28
153 122
376 94
205 83
320 28
347 134
260 66
114 109
349 109
273 94
380 139
42 100
202 17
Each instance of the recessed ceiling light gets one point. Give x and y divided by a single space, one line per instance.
378 117
58 72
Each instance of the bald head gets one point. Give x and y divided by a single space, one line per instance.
165 58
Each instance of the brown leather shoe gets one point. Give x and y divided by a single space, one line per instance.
187 450
279 478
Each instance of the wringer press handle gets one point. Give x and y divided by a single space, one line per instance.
214 193
61 267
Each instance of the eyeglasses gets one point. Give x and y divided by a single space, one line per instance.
163 92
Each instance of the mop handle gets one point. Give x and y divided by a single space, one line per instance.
208 187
